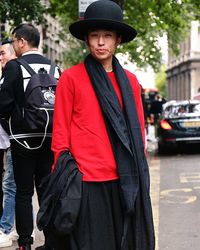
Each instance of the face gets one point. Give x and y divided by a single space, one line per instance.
17 43
6 54
102 44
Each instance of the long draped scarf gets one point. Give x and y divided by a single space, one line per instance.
124 132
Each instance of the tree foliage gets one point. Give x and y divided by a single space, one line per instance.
161 81
151 19
16 11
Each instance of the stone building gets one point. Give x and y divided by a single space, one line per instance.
183 73
51 45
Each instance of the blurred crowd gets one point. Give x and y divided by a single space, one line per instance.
153 106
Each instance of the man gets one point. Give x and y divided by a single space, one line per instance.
7 53
7 236
30 163
98 117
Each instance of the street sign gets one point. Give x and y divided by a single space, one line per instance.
83 4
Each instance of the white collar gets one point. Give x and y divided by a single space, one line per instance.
31 52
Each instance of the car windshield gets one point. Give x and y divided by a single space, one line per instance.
182 110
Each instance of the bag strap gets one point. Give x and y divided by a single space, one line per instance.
25 64
24 143
52 69
32 72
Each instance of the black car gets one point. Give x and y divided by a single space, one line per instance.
179 124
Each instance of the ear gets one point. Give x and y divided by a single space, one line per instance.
119 39
23 41
87 43
86 40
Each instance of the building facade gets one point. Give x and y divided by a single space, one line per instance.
51 45
183 73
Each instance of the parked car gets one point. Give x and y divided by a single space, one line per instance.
178 124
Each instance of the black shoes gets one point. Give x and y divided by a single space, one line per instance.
43 248
26 247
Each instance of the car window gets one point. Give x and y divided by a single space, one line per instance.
196 108
181 109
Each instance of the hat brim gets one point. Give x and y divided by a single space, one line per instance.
80 29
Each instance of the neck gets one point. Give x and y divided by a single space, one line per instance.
31 49
27 49
106 63
107 66
109 69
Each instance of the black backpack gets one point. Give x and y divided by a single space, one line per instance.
38 104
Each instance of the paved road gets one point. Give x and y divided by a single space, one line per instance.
175 193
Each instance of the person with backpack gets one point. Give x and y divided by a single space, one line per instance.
30 135
98 118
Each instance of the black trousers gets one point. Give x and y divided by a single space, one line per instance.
1 178
30 167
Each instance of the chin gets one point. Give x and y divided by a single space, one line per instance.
102 57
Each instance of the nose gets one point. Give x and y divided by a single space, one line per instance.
100 40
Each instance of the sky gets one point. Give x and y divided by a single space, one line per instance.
146 77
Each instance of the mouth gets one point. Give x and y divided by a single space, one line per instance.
101 51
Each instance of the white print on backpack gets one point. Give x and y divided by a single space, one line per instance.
49 96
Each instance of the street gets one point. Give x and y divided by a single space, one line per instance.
175 192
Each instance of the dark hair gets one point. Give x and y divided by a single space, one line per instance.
29 33
6 40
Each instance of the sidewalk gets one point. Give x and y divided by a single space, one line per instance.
151 139
39 238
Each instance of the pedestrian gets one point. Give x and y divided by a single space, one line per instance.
99 118
31 163
7 233
156 108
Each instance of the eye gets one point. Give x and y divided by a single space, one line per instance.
93 34
108 34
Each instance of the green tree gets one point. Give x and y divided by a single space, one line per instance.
151 19
16 11
161 81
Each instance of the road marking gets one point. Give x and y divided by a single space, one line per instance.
190 177
154 169
181 196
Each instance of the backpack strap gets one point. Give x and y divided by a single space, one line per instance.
25 64
52 69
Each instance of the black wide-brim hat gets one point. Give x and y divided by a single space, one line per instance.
103 14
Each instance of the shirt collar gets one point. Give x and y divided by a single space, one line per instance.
32 52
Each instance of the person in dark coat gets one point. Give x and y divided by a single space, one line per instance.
99 118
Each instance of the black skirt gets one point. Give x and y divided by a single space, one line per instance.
100 225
